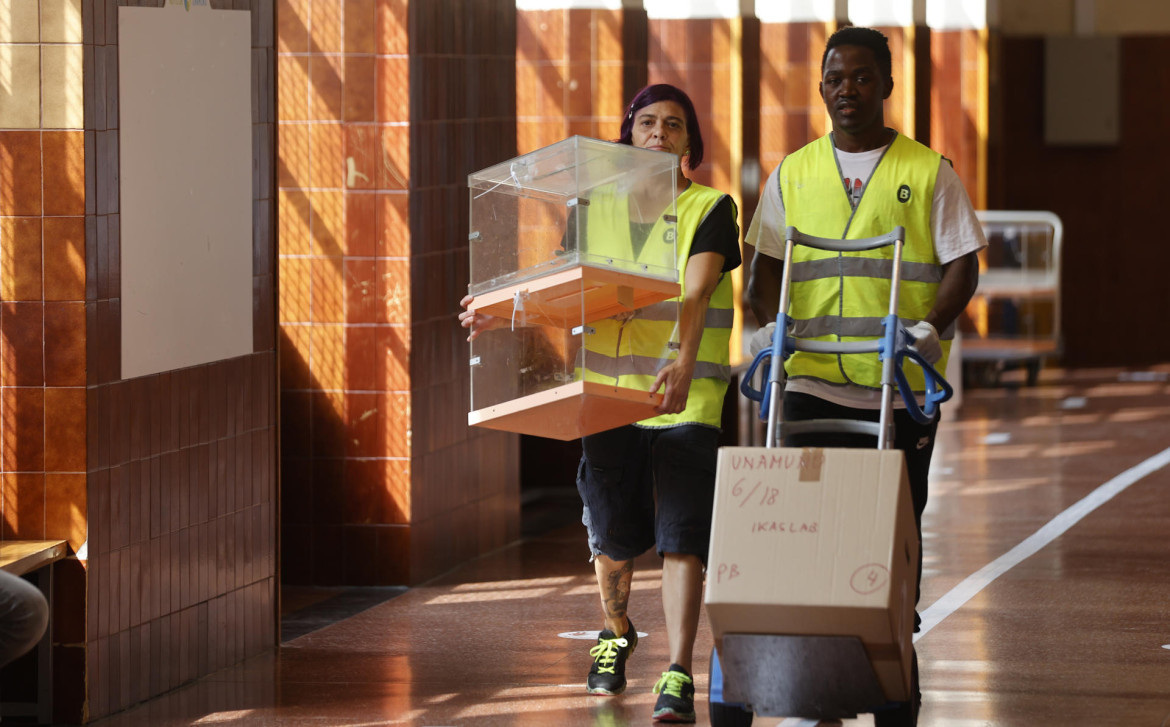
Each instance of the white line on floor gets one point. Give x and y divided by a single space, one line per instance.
976 582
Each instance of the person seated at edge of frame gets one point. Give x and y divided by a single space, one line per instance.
24 616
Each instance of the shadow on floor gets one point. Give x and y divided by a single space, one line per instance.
305 609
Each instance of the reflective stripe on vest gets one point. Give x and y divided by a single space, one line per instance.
864 268
629 353
840 296
606 368
852 327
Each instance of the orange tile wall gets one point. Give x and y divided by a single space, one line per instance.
343 176
696 56
43 445
42 321
573 70
791 110
956 104
899 113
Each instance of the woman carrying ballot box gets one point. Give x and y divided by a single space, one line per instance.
651 484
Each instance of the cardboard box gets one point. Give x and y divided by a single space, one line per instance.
817 542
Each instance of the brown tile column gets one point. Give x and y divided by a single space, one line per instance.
465 480
181 465
385 106
901 107
576 69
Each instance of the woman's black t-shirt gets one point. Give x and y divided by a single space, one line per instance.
718 232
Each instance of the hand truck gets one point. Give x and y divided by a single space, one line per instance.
836 677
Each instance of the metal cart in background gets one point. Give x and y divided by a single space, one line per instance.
1013 321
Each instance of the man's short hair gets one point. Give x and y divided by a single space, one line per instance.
866 38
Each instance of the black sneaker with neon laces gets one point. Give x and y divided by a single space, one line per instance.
608 674
676 696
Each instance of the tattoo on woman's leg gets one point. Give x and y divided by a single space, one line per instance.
617 590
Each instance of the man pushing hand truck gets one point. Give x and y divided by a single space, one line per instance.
841 350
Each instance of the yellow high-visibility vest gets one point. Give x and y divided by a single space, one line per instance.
630 352
844 296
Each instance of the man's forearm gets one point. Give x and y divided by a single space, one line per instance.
959 281
764 287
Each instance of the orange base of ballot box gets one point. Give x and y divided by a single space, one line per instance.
569 412
574 297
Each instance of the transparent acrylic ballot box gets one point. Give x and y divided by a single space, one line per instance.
1015 312
567 245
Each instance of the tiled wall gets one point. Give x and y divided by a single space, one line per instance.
42 273
572 73
701 56
181 465
343 179
383 112
575 71
43 305
168 480
696 56
791 110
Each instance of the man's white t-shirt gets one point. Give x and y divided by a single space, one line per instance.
953 224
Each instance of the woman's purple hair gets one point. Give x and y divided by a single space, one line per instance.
665 92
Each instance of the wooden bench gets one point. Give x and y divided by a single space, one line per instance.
36 558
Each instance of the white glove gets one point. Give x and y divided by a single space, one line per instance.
761 339
926 341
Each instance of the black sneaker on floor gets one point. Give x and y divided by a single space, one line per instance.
676 696
608 674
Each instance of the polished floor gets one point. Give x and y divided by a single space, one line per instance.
1046 597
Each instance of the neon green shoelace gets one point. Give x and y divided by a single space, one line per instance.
605 653
671 683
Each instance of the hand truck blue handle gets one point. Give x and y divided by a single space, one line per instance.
745 384
759 395
782 344
937 388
